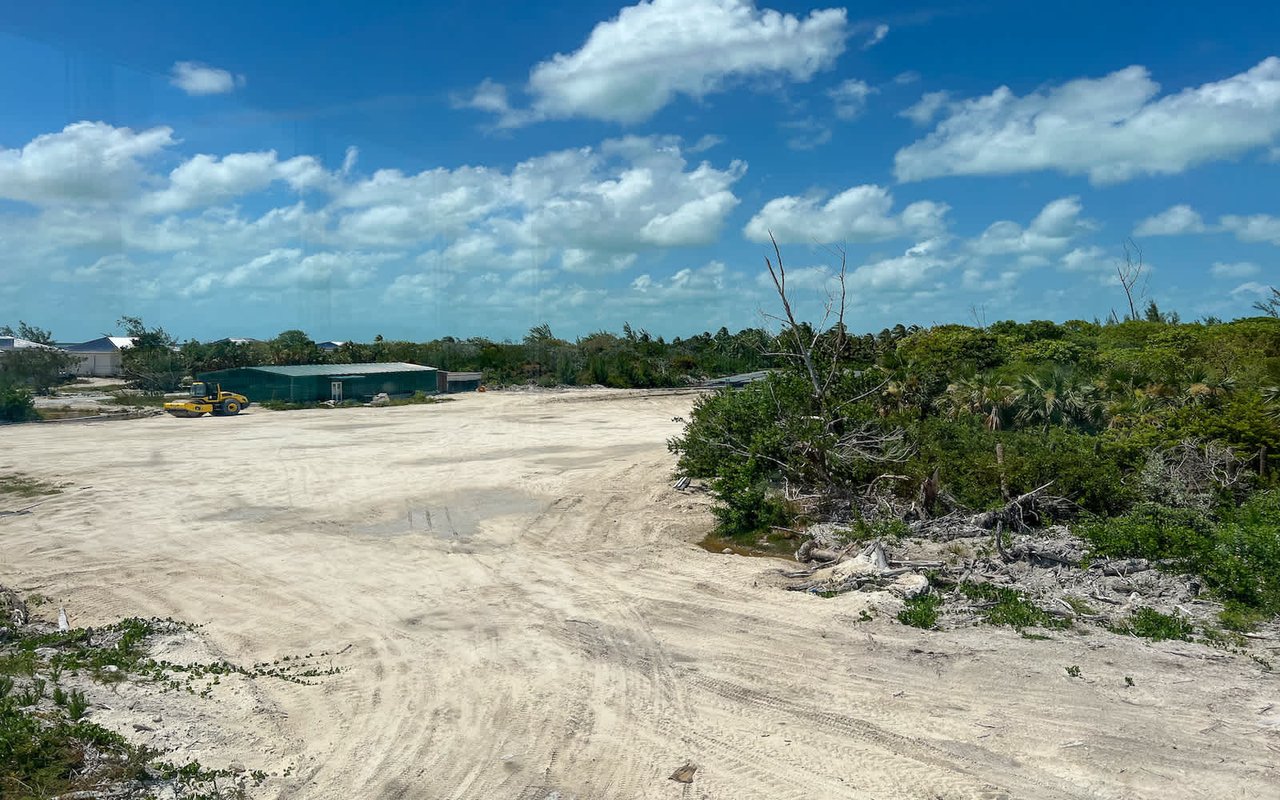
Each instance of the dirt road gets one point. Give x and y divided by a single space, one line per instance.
521 612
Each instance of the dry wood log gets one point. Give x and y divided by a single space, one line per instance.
1013 511
1119 569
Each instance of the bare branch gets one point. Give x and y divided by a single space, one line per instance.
1130 272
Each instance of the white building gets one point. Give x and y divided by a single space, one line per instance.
99 358
8 343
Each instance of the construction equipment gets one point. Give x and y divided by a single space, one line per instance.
207 398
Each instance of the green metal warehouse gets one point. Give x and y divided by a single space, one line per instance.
315 382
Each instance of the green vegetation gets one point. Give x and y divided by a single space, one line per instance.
1073 671
417 399
49 749
153 363
634 359
15 483
1001 605
1164 436
1235 549
17 404
37 369
42 757
1148 623
921 611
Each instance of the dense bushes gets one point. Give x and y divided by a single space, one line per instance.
964 453
1165 436
1236 550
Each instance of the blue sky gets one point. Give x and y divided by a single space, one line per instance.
476 169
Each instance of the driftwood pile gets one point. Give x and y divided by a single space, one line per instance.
1007 547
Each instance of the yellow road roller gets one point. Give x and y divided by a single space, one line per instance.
207 398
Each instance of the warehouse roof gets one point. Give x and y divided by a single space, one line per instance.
18 343
343 370
104 344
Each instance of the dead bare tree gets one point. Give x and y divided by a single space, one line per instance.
804 340
1130 271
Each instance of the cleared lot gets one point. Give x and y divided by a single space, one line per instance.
520 611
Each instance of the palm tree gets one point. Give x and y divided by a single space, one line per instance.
983 394
1271 396
1203 387
1057 397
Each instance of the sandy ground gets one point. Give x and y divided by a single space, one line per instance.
520 611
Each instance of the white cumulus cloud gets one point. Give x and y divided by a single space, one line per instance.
633 65
711 282
195 78
920 268
1052 231
850 98
1239 269
859 214
84 162
207 180
1112 128
1173 221
1253 228
876 37
926 108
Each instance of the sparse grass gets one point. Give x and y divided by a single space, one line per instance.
956 552
1235 617
15 483
921 611
887 530
286 405
416 399
49 749
1000 605
89 388
1073 671
1147 623
47 755
1080 607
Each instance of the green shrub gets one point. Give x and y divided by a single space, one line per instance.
1148 623
1238 555
964 453
16 404
1244 566
921 611
1001 605
1236 617
1153 532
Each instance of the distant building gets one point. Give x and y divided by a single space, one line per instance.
101 357
234 340
311 383
10 343
453 382
329 347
